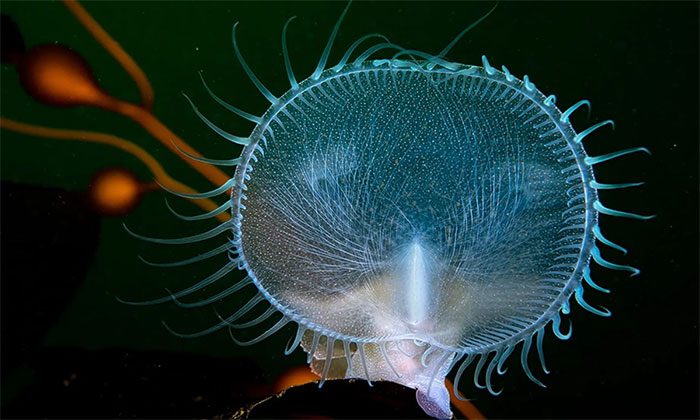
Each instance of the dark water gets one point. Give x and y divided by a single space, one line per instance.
70 349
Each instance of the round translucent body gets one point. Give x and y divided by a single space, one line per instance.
399 204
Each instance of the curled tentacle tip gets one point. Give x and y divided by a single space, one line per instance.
120 300
233 338
218 315
171 331
138 303
459 397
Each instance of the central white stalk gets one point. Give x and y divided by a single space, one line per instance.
418 288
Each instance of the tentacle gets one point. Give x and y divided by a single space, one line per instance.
589 281
599 236
215 162
187 291
222 324
211 299
281 323
329 358
209 194
527 342
353 47
217 211
599 186
226 135
253 78
297 340
550 100
216 251
373 49
578 138
329 45
565 309
578 294
438 366
509 76
487 66
453 363
540 350
477 371
455 385
195 334
314 344
382 349
566 114
260 318
243 310
595 253
489 373
610 212
248 116
348 355
556 328
361 350
430 58
424 356
285 53
459 36
503 359
222 227
594 160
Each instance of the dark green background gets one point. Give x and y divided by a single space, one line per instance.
637 62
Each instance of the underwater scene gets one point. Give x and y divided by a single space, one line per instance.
366 209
